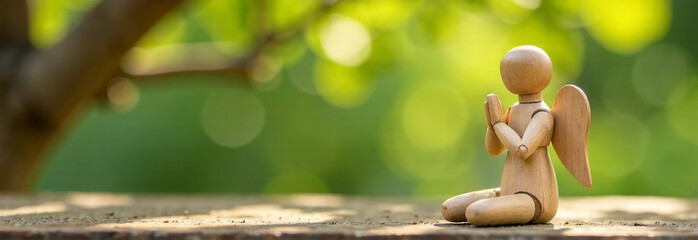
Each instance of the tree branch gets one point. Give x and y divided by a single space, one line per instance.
51 85
174 60
14 26
14 37
60 79
188 65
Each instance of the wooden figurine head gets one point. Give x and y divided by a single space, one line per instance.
526 70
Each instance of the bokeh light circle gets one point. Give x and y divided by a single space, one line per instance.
513 11
232 117
627 26
123 94
474 60
410 161
341 86
345 41
264 69
683 116
434 116
618 145
660 74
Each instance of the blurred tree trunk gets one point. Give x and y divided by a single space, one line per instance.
41 90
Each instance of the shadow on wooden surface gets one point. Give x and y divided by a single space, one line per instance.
81 215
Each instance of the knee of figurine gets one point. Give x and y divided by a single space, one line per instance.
451 212
475 213
453 209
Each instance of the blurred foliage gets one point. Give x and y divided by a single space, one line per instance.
385 98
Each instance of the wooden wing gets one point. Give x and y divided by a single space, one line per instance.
572 116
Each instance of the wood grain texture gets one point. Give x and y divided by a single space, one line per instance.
509 138
526 70
122 216
493 145
537 134
504 210
572 117
453 209
529 192
533 175
495 113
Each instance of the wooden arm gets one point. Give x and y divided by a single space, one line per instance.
509 138
537 131
492 144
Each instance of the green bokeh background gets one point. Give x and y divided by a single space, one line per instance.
385 98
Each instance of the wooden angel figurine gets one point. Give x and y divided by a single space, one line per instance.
528 191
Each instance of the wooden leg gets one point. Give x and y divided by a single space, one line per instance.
453 209
504 210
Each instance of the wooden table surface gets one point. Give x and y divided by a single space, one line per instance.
122 216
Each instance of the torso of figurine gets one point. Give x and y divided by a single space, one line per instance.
535 175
